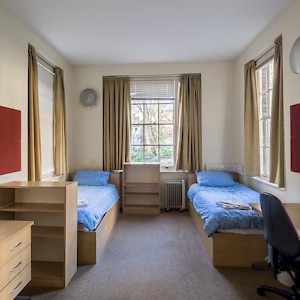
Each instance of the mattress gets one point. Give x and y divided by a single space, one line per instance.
217 218
99 199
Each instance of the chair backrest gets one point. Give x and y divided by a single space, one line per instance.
278 228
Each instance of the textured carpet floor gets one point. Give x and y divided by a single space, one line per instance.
159 257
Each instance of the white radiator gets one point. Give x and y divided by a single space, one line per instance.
175 194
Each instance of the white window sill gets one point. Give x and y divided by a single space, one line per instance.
170 170
52 177
264 181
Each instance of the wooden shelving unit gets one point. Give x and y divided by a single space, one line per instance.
53 208
141 188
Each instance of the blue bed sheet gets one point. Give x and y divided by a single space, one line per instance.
100 200
205 200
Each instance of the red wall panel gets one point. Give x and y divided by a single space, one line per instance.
295 138
10 140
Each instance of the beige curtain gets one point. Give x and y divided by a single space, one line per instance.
34 138
59 124
277 126
116 122
189 137
251 123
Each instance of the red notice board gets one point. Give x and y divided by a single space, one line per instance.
10 140
295 138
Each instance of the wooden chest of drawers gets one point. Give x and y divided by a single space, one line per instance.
15 257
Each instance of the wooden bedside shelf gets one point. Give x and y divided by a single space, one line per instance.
141 188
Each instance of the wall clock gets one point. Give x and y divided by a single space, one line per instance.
295 57
88 98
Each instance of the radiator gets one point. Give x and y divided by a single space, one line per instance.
175 194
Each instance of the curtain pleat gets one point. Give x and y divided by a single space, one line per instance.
277 122
189 136
59 124
116 122
251 123
34 136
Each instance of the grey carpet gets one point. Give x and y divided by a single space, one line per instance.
159 257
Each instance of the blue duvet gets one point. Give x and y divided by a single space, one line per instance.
205 200
100 200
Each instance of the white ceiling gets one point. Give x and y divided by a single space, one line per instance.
142 31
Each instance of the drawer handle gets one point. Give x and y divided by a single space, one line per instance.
16 288
16 247
16 267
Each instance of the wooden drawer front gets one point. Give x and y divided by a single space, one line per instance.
13 246
13 267
16 285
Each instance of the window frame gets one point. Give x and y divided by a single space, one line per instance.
174 123
42 63
264 165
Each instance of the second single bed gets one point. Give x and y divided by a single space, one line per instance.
232 237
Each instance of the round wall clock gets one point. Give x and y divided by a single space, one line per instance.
88 98
295 57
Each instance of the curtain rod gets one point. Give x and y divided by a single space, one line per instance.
151 76
44 58
267 49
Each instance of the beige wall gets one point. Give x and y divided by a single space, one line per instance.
287 24
216 113
14 39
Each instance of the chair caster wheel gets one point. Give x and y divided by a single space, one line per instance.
260 291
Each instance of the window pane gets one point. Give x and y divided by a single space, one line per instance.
264 78
151 113
270 102
151 154
261 156
265 105
166 135
265 140
137 153
166 113
137 135
166 155
267 161
151 135
137 114
267 132
45 93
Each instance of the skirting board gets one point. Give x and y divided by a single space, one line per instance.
231 249
91 243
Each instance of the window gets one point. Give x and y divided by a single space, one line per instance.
152 120
46 101
265 87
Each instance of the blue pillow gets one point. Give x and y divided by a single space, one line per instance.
91 177
215 178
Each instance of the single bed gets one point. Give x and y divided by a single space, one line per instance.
97 218
235 237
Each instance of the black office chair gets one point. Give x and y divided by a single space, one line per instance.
284 245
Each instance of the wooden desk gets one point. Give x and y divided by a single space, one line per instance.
292 209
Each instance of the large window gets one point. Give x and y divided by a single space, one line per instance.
46 101
152 120
265 87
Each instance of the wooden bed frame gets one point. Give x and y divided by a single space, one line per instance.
229 249
91 243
